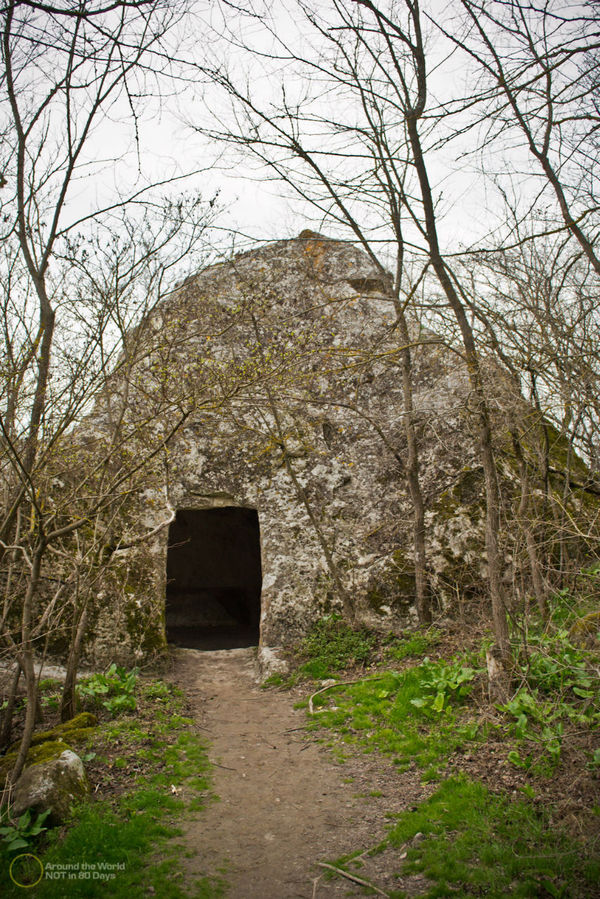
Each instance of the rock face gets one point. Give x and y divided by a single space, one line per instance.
285 476
53 785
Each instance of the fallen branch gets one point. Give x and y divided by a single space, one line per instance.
353 877
342 683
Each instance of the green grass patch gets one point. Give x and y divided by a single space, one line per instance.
125 844
413 714
475 843
331 646
414 645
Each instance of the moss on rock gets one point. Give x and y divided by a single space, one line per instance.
586 631
49 744
37 755
77 729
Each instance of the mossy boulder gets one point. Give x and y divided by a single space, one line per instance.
586 631
76 730
50 744
53 785
41 752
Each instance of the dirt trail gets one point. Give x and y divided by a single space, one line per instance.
283 804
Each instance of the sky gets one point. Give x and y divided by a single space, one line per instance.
255 207
165 147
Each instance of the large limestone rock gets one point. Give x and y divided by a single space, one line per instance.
54 785
285 361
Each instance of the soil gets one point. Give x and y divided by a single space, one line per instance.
284 803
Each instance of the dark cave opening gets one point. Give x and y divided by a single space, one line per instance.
214 578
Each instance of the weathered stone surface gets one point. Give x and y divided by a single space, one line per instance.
289 358
50 744
44 751
270 662
54 785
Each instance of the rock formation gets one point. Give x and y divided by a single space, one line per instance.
277 376
55 786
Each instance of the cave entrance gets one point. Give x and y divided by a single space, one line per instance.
214 578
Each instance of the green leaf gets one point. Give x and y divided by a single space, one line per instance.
585 694
515 759
18 843
438 702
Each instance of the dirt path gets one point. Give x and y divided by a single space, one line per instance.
283 803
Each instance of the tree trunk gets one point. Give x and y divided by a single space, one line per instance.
5 733
25 659
347 605
68 705
492 522
412 476
525 523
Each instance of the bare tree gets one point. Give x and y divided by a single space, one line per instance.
375 65
536 305
537 67
78 484
64 70
273 134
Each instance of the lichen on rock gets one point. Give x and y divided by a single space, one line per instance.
287 357
54 785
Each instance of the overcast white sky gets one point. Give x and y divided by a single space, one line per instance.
255 206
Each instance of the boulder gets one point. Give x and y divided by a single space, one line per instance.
54 785
50 744
286 498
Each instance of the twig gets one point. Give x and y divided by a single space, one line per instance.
343 683
359 880
315 885
324 690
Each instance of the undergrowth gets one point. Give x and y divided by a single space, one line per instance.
153 769
113 690
557 688
414 715
470 839
332 646
473 842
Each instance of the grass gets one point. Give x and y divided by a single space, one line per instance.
158 770
414 645
471 838
332 646
398 713
476 843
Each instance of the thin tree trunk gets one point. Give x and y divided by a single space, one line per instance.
412 475
7 716
492 522
525 523
347 605
68 706
25 660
